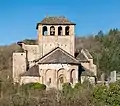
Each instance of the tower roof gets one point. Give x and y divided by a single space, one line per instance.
55 21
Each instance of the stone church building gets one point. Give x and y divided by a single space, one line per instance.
53 60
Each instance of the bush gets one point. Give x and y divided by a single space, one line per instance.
86 84
67 88
37 86
77 85
107 95
100 93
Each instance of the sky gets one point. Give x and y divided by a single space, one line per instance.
18 18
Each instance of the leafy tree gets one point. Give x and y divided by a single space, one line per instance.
108 96
100 93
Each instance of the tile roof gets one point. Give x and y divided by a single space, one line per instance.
33 71
55 21
58 55
81 57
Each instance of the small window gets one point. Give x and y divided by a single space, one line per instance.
49 80
59 30
52 30
45 32
67 30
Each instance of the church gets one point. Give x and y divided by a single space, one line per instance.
54 60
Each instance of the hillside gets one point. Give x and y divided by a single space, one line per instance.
103 47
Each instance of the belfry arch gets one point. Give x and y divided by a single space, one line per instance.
45 30
60 32
52 30
67 30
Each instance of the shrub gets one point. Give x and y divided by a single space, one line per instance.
100 92
67 88
34 86
107 95
86 84
77 85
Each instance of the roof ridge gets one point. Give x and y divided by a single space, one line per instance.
68 54
55 57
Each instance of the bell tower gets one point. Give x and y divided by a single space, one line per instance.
56 32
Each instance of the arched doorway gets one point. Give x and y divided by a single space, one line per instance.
72 76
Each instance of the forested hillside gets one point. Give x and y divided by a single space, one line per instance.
103 47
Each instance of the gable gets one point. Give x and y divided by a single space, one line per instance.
58 55
86 52
81 57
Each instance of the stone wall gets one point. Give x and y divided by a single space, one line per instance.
47 43
53 71
51 42
19 65
89 65
90 79
32 52
29 79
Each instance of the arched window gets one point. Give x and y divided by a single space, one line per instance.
49 76
52 30
72 76
50 80
61 79
67 30
59 30
45 32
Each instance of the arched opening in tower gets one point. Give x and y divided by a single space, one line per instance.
52 30
45 31
67 30
59 30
